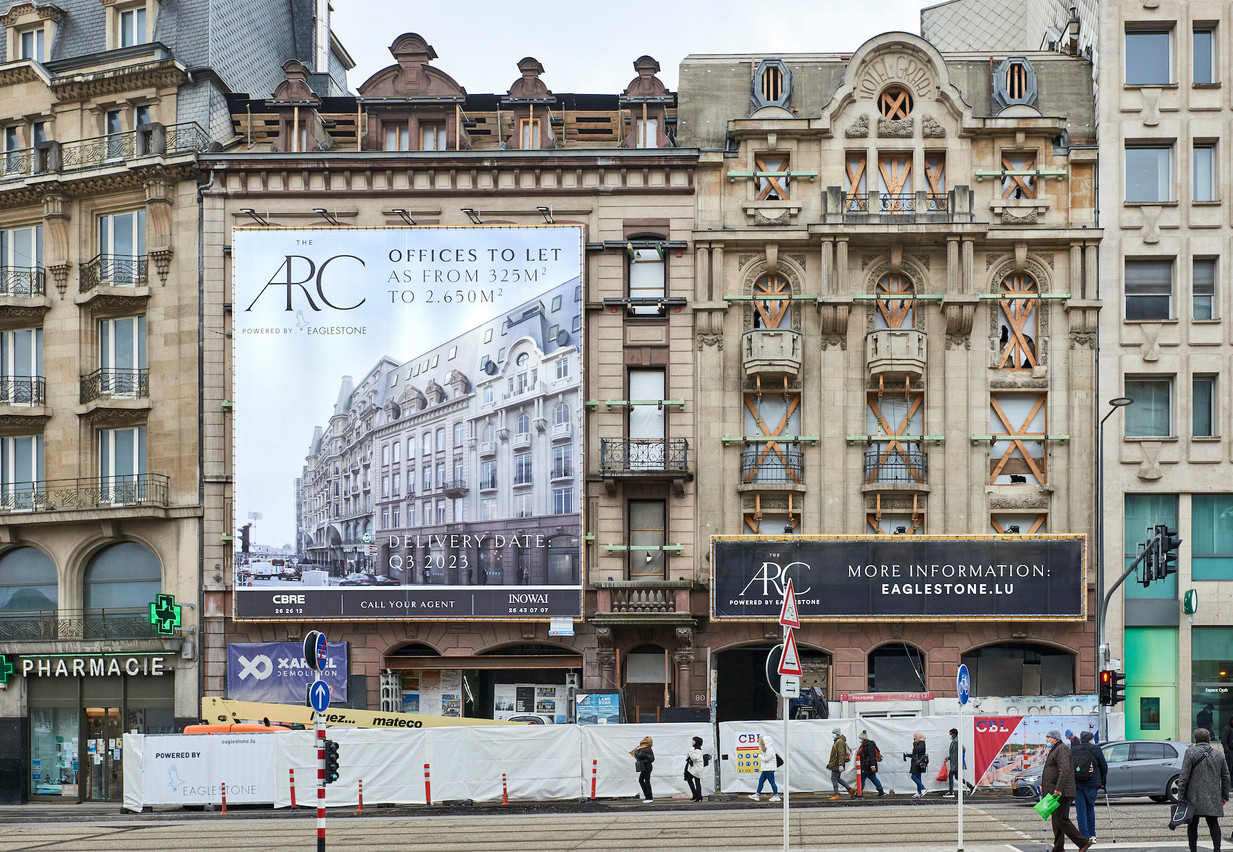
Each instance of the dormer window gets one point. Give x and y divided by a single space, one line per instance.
30 30
31 44
397 137
133 27
1014 82
528 134
129 22
432 137
772 85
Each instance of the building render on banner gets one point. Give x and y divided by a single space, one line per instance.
103 109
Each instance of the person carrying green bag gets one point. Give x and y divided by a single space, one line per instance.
1058 775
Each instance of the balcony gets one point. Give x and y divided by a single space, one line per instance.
522 440
884 208
645 459
903 468
149 140
23 282
23 390
562 431
487 449
771 352
772 467
105 492
114 270
81 625
115 384
643 602
455 488
893 352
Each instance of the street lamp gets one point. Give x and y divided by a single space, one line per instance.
1114 404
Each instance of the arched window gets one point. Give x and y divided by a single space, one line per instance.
27 581
772 302
1020 668
122 576
896 668
560 414
524 424
896 305
1017 322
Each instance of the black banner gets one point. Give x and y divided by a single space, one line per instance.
412 602
908 577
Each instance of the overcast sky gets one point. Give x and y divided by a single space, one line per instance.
591 47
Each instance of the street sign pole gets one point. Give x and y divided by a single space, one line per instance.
319 700
789 664
787 752
963 686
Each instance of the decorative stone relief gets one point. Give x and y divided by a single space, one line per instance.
957 341
899 128
930 129
1027 217
1149 350
1149 467
1006 503
858 129
829 340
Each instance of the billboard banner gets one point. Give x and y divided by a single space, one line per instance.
838 578
276 671
408 423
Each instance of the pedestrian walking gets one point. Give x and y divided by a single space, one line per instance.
869 756
694 761
1058 775
840 755
918 763
769 761
1226 741
1204 782
1091 769
952 762
644 758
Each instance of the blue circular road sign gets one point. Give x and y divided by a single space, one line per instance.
964 684
319 696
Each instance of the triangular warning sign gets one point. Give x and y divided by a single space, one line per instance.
790 663
787 615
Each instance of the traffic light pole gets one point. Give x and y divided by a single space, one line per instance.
319 727
1103 725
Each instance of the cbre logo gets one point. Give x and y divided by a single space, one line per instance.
303 277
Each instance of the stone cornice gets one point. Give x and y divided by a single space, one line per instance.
163 73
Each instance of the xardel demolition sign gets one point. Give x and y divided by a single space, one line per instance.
911 578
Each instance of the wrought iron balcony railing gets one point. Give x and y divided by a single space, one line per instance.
17 163
772 464
112 384
636 455
904 464
98 151
937 202
99 492
114 270
22 281
856 202
70 625
901 203
22 390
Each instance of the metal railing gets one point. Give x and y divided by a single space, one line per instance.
149 140
902 203
114 270
52 625
23 390
632 455
22 281
782 464
132 384
856 202
936 202
99 492
903 464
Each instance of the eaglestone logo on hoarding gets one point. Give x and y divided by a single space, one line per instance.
838 578
355 332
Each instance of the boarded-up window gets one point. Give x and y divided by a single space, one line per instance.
1017 425
1017 322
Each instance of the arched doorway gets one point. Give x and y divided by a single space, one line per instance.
1021 668
742 692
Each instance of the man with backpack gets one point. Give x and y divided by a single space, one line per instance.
1090 771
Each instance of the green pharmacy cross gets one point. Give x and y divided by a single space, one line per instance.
165 615
6 669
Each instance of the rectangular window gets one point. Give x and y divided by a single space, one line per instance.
1204 171
1020 178
1151 416
441 440
1142 513
432 137
440 511
385 486
396 482
385 519
556 304
394 516
397 449
855 193
459 434
396 137
1202 407
1203 287
31 46
771 178
410 514
488 509
122 357
528 134
122 464
563 500
1149 288
935 174
1204 56
1211 537
440 474
21 256
648 133
427 477
133 27
21 366
122 248
562 461
522 469
1149 57
562 368
523 506
21 465
895 183
647 536
1149 174
647 277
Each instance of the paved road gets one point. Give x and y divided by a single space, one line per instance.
1002 826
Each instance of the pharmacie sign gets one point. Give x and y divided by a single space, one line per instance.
917 578
93 666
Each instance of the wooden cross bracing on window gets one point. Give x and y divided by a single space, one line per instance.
772 186
855 167
898 310
1019 311
896 448
771 312
1036 527
896 103
1015 437
772 447
1019 186
935 173
916 521
896 170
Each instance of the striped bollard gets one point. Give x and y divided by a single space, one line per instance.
224 787
427 786
360 809
292 771
594 767
504 790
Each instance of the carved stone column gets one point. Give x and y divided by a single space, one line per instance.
56 230
158 211
683 658
605 655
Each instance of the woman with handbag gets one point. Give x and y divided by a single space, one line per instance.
1204 783
918 762
644 758
769 761
694 761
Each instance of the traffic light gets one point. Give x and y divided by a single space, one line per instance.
1117 688
331 761
1150 553
1106 687
244 533
1169 543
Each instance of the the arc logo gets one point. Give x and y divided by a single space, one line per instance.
260 667
773 579
302 279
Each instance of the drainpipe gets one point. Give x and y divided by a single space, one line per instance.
201 189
